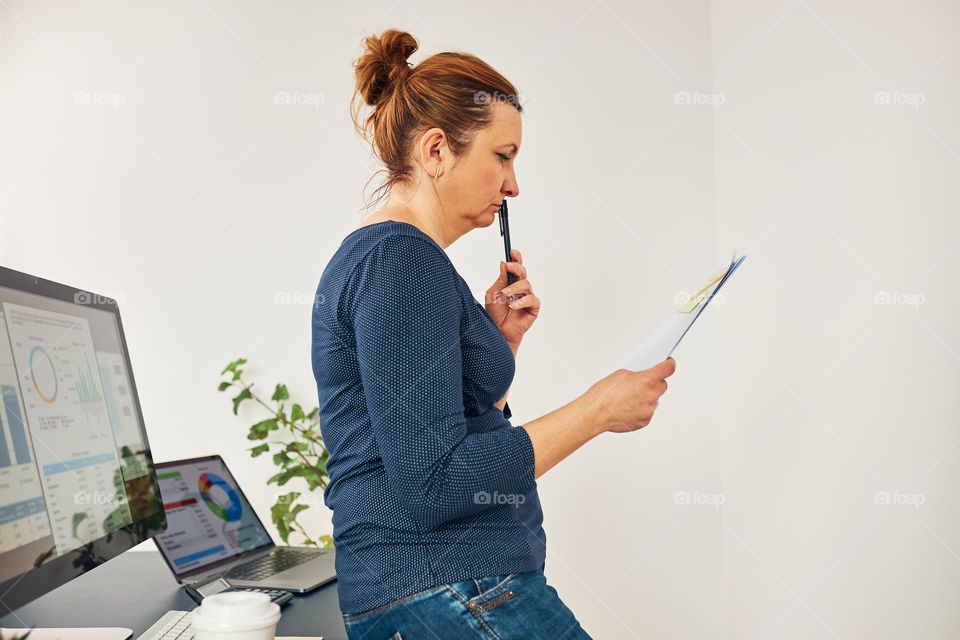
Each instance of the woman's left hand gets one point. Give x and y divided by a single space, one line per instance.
516 317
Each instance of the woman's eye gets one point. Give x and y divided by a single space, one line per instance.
503 157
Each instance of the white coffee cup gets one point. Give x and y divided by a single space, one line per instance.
236 615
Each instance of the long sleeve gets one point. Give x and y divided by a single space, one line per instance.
407 314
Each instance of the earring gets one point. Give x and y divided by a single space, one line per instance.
436 176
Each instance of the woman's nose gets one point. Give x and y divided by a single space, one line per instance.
511 188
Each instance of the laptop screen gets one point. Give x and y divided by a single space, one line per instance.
208 517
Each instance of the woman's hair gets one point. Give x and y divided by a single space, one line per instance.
450 90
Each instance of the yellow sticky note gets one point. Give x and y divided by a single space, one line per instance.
701 293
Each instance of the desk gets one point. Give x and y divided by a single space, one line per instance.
135 588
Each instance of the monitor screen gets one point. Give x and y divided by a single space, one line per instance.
208 517
77 484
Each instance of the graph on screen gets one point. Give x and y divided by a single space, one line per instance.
69 423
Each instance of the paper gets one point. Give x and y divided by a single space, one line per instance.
663 342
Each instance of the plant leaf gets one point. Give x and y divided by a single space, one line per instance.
296 413
243 395
232 367
280 393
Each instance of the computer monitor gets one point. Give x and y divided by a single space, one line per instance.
77 481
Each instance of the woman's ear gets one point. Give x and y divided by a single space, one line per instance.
433 150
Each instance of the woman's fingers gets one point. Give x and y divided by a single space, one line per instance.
520 295
527 301
521 289
520 286
516 268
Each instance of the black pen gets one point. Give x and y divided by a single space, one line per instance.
505 232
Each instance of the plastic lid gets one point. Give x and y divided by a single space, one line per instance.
235 611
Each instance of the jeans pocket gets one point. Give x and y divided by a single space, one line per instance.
494 596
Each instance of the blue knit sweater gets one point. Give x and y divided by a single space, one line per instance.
429 481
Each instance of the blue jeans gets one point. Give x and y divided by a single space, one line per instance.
515 606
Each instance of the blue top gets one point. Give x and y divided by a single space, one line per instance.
430 483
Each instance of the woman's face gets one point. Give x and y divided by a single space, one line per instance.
484 176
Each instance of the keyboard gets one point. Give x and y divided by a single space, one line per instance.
280 559
173 625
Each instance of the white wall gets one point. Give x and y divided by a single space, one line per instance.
198 200
826 396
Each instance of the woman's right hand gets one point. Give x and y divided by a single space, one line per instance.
625 400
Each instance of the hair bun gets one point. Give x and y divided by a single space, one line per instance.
383 64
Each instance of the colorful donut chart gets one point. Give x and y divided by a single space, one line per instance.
47 395
229 512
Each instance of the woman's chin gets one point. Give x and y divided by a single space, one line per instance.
486 218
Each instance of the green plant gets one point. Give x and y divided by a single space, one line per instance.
298 450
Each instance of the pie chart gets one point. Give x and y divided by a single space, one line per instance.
219 497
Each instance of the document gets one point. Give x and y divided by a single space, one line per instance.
663 342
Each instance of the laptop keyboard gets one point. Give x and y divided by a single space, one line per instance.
280 559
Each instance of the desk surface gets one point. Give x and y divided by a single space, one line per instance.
134 589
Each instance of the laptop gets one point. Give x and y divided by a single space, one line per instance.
212 532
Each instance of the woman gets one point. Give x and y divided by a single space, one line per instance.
436 518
